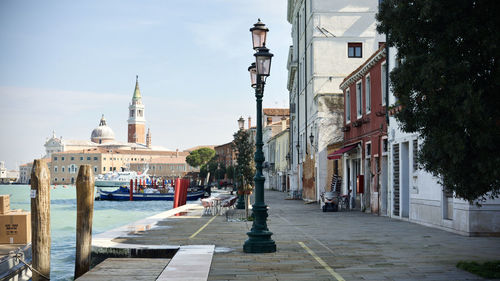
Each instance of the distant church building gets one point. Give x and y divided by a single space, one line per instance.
103 133
136 120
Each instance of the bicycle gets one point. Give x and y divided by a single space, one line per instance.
343 202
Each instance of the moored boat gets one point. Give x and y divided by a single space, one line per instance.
117 179
123 194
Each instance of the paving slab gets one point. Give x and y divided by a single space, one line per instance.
126 269
353 245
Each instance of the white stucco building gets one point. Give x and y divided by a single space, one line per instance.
330 39
415 195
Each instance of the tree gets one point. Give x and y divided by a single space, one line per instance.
200 156
230 172
245 168
446 81
221 171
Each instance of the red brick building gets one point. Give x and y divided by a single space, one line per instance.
365 132
225 154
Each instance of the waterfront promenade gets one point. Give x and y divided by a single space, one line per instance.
313 245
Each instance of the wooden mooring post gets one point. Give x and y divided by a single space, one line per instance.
85 211
40 220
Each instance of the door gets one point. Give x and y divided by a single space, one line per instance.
405 179
383 186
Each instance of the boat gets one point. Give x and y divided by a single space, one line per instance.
117 179
149 194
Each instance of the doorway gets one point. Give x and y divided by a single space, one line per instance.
405 180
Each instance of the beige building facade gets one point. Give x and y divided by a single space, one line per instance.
65 165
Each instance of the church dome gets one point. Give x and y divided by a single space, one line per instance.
103 133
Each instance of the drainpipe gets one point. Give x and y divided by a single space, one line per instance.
305 71
298 95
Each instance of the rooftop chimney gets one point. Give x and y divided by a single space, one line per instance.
283 123
249 122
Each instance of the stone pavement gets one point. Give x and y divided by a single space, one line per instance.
313 245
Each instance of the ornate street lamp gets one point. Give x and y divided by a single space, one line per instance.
253 74
259 32
259 237
241 123
241 197
263 62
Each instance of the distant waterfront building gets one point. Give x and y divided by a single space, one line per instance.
105 154
273 115
136 120
225 154
167 167
25 173
7 176
278 146
64 168
103 133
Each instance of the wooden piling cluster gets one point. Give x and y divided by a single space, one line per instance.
40 219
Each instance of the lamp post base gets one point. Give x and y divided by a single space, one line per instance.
260 242
240 204
259 237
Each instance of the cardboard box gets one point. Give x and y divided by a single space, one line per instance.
15 228
4 204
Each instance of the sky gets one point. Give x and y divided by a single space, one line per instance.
65 63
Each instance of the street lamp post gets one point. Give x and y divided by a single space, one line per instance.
259 237
241 197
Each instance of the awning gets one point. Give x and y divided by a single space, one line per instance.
337 154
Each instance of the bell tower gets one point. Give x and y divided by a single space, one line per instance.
136 120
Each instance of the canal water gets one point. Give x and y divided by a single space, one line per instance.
107 215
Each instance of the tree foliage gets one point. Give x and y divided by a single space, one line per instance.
230 172
200 156
245 168
220 172
447 80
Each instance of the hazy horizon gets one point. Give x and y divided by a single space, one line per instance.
64 64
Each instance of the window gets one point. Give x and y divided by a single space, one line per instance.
62 158
385 146
88 157
131 113
368 92
359 89
62 168
415 155
347 106
55 179
95 169
139 113
104 169
384 83
368 150
95 158
55 158
104 158
354 50
81 158
55 169
62 179
72 158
